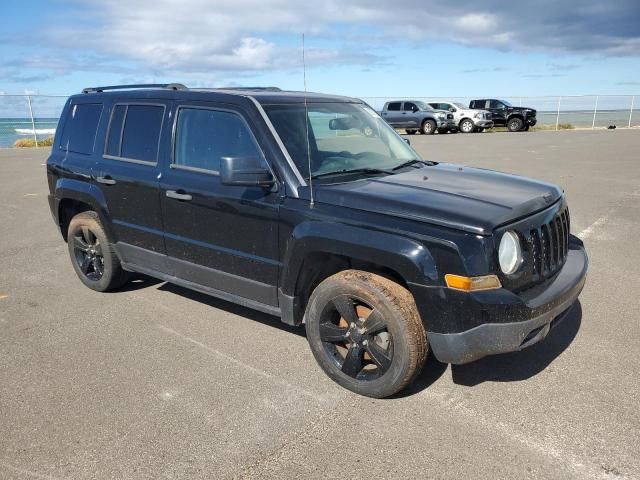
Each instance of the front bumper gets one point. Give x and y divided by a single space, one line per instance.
531 121
483 123
447 125
534 315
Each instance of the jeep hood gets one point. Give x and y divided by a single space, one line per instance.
464 198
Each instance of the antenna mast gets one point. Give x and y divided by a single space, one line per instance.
306 123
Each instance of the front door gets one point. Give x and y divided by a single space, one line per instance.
222 237
410 115
498 112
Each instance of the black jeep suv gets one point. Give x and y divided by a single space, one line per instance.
516 119
310 207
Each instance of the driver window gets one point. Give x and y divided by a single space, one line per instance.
497 104
410 107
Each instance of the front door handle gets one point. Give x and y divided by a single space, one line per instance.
178 196
106 180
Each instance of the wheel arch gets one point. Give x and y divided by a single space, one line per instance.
74 197
319 250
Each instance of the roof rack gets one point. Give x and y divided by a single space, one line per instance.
169 86
263 89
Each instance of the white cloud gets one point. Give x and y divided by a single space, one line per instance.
200 37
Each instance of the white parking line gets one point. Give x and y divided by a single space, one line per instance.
237 362
590 229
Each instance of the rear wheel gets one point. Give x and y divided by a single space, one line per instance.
514 124
92 254
365 333
428 127
466 125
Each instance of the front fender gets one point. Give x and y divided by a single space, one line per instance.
408 257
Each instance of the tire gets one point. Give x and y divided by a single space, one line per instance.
92 254
365 333
514 124
410 131
466 125
428 127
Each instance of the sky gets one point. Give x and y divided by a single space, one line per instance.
362 48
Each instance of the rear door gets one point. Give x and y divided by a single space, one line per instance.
393 114
127 175
219 236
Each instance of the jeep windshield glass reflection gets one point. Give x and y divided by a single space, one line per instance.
343 137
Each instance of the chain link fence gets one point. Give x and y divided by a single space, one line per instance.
36 116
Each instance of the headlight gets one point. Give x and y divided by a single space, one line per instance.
477 115
442 116
509 253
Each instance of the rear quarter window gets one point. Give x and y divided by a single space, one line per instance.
80 128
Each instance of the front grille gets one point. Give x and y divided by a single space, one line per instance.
549 245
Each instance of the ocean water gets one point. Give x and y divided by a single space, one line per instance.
12 129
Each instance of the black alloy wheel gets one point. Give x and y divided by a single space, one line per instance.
356 338
365 332
88 254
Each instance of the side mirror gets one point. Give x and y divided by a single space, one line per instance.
245 171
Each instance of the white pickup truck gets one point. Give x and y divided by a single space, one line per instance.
468 120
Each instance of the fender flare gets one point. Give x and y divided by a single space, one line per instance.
408 257
82 191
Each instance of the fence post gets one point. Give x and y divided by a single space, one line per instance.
631 110
558 114
595 110
33 123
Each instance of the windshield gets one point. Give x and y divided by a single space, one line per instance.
459 105
506 103
423 106
342 137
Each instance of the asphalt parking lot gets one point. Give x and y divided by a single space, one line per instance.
156 381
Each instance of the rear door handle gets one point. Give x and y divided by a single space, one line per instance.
178 196
106 180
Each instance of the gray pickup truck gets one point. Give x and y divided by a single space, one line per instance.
414 115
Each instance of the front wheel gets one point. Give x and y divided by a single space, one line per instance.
514 125
466 126
365 333
428 127
92 254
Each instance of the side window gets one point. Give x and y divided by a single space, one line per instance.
115 130
394 107
410 107
204 136
80 128
493 104
134 132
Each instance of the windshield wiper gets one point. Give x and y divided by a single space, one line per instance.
372 171
408 163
